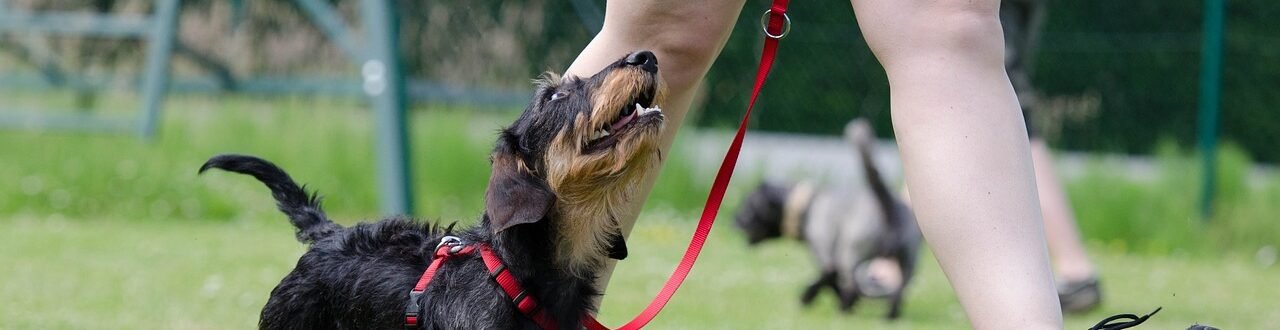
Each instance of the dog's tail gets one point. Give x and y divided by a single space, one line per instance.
303 209
861 135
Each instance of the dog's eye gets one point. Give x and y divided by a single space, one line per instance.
557 96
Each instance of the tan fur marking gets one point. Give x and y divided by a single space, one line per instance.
591 188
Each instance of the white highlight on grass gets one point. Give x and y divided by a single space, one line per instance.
32 185
1266 256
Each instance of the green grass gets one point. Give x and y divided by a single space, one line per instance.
734 287
110 231
182 274
326 143
128 274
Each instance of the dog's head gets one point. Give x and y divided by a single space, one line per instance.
575 153
761 213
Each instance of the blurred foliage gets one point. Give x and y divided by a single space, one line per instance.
485 43
1161 217
1116 76
824 74
1143 60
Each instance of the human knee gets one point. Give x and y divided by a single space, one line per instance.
961 29
963 17
687 42
691 51
962 33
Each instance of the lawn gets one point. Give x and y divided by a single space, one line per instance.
110 231
185 274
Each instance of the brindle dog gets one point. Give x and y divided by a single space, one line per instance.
560 174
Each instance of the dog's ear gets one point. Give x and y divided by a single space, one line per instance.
774 193
617 247
515 195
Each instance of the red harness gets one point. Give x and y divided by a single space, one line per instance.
451 246
776 25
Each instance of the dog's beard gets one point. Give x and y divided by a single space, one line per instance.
592 185
591 189
594 163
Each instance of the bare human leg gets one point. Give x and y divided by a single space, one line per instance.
687 36
1068 251
965 154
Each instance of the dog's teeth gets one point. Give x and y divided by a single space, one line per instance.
642 110
600 134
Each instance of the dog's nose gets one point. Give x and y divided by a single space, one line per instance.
644 59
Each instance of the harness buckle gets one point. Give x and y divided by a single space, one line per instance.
411 319
454 243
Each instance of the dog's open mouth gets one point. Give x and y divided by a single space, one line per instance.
639 112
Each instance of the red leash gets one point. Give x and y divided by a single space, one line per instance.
777 27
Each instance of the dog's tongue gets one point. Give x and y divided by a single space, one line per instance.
626 119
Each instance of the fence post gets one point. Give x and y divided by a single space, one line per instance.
384 84
1210 96
155 78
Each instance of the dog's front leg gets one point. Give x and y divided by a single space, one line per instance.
847 288
848 298
827 278
907 266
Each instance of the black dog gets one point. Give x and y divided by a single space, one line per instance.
558 172
845 230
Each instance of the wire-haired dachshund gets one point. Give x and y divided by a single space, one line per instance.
560 173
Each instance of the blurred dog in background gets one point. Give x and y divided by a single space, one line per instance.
844 227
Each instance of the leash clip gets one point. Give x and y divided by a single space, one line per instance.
454 243
764 24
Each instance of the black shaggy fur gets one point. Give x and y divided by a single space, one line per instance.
359 277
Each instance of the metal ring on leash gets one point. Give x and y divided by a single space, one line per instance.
786 24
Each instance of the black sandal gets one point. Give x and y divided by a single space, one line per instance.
1080 296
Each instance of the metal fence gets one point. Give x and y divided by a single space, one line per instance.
1110 76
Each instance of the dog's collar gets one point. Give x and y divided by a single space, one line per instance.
451 246
794 209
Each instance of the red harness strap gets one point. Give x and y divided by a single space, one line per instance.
453 247
524 302
449 247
